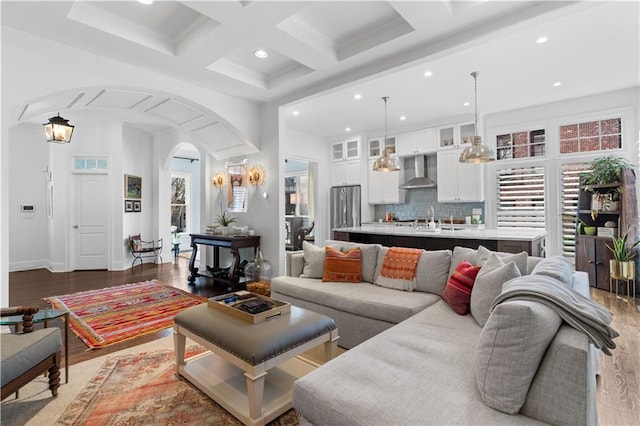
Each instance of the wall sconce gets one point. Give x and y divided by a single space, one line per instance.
58 130
257 176
218 181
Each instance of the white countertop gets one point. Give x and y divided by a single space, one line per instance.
470 234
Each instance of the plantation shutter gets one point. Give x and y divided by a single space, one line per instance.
520 197
569 203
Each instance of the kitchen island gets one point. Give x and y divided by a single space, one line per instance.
506 240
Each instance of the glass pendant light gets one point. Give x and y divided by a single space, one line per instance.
477 152
386 163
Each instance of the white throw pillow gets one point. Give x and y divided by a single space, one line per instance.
521 259
555 267
488 285
510 349
313 261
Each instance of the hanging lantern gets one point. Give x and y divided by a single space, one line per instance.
58 130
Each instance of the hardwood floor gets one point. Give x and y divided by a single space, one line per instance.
618 395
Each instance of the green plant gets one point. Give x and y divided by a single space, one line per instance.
621 251
605 170
224 219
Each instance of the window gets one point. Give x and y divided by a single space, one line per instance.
569 204
297 195
520 145
520 197
180 196
596 135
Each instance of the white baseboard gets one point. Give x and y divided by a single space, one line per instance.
27 265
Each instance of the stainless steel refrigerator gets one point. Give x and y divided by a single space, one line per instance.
345 206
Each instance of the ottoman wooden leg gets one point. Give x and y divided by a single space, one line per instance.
255 391
331 346
179 342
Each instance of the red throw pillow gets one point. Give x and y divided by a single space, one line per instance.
457 292
342 267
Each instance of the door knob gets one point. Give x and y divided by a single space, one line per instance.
75 226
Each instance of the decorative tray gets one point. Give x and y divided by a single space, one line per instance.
250 307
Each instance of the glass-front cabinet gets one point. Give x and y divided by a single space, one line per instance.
376 146
346 150
456 135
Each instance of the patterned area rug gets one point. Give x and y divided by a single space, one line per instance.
143 389
115 314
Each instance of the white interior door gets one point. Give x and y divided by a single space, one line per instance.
89 222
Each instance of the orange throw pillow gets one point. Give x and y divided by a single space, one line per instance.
457 293
342 267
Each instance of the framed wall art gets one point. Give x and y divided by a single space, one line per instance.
132 186
137 206
128 206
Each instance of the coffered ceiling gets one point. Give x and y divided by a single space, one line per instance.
322 53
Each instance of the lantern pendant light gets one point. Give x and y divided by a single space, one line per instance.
58 130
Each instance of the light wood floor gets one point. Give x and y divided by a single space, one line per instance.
618 395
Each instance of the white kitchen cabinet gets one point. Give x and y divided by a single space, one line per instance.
383 186
459 182
455 135
419 142
345 173
346 150
376 146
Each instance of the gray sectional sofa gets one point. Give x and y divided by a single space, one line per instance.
413 360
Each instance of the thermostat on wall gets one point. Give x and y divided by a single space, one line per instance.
28 208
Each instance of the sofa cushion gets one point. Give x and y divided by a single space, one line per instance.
462 253
488 285
457 293
521 259
364 299
555 267
313 260
342 267
369 256
433 271
510 348
416 373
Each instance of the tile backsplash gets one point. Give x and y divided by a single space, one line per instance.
416 206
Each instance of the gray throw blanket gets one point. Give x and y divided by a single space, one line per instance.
578 311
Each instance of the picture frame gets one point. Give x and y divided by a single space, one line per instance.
132 186
128 206
137 206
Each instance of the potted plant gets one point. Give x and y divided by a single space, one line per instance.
224 220
604 170
622 266
584 228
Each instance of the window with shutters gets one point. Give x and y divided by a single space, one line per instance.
180 196
520 197
589 136
570 187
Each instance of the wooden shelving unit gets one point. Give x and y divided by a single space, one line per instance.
592 254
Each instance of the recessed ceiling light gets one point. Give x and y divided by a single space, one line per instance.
466 104
402 118
296 113
428 74
348 129
260 54
557 84
357 96
147 2
542 39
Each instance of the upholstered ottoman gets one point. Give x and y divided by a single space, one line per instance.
250 368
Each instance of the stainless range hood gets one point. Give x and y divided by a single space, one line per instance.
421 180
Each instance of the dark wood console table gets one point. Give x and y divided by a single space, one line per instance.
232 242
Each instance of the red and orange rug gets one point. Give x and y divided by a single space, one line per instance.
112 315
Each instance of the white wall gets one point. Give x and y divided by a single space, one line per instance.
28 232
